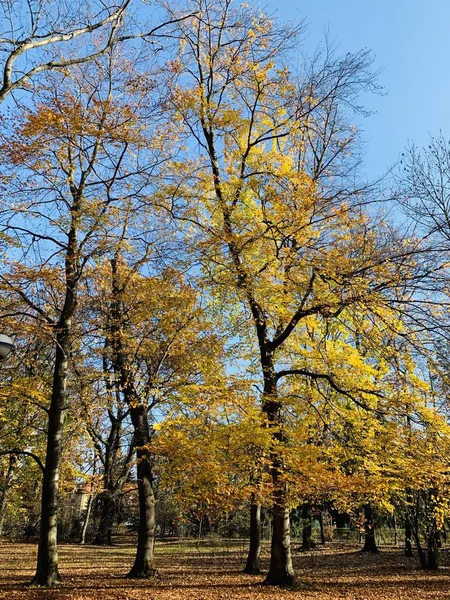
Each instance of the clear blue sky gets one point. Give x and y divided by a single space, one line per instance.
411 43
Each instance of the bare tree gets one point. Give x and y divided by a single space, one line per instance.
39 36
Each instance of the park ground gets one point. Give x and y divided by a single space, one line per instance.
212 571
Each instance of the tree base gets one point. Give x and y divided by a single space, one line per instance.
144 573
45 580
280 580
306 548
252 570
370 547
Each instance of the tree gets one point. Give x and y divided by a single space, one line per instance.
69 176
32 34
281 229
23 403
104 416
159 347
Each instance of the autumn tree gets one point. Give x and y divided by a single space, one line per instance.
24 395
69 176
274 195
209 451
105 420
158 347
103 413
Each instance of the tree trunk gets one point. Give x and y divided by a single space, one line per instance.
47 573
5 489
107 518
111 457
144 562
281 571
433 547
369 531
47 563
322 529
253 566
143 566
307 542
414 525
86 519
408 535
264 525
422 556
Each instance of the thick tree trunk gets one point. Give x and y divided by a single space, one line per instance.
369 531
408 536
107 518
253 566
5 489
281 571
144 562
47 563
143 566
307 542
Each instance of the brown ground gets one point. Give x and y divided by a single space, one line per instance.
189 573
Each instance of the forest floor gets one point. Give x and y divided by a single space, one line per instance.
191 572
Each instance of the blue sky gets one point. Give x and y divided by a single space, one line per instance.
411 43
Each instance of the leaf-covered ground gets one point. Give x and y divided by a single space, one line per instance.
189 573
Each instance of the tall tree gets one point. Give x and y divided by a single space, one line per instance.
276 201
70 159
158 346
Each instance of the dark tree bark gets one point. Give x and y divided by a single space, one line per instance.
422 556
433 542
253 566
307 542
369 531
414 525
281 571
408 536
143 566
108 515
429 558
144 561
47 573
116 466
